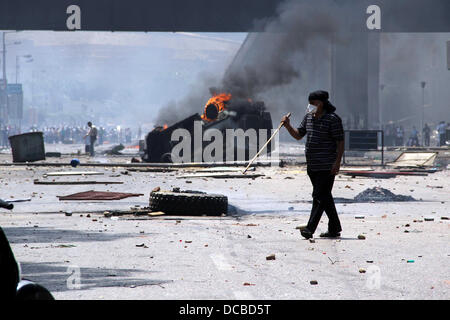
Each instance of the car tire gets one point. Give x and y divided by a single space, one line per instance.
188 203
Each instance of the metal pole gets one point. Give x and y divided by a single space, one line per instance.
4 57
267 142
382 148
4 78
423 113
380 110
423 83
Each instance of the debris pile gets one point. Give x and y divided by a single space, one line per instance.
380 194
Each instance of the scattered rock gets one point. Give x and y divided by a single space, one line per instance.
142 245
270 257
68 214
362 270
428 219
313 282
188 241
248 284
249 236
380 194
156 189
312 241
444 218
156 213
291 208
361 237
359 217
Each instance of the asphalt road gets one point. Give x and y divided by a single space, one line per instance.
128 257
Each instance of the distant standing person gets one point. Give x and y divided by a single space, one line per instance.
414 138
441 131
92 134
426 135
399 140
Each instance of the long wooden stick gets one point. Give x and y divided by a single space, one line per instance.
264 146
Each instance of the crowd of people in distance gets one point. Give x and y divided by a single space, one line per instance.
396 135
71 134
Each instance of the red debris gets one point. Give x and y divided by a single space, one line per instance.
99 195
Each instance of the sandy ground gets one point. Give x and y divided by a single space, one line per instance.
80 257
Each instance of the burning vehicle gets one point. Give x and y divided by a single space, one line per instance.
221 112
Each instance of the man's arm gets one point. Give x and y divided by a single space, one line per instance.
87 134
340 153
337 132
292 131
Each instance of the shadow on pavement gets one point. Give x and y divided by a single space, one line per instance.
58 278
50 235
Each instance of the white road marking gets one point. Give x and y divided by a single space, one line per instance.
221 262
243 295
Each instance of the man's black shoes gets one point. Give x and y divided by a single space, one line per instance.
329 234
306 233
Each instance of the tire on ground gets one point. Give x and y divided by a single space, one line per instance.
188 203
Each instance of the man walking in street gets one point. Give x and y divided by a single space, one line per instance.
441 131
414 138
324 149
426 135
92 134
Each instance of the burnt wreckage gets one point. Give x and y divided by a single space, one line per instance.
221 113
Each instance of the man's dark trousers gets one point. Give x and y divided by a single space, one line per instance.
91 147
322 182
442 139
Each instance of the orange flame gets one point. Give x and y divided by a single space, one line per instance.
218 100
165 126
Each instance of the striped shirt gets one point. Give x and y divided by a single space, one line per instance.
321 137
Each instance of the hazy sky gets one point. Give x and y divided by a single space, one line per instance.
127 75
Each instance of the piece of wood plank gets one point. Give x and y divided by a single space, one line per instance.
72 173
223 169
222 175
75 182
263 163
157 213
